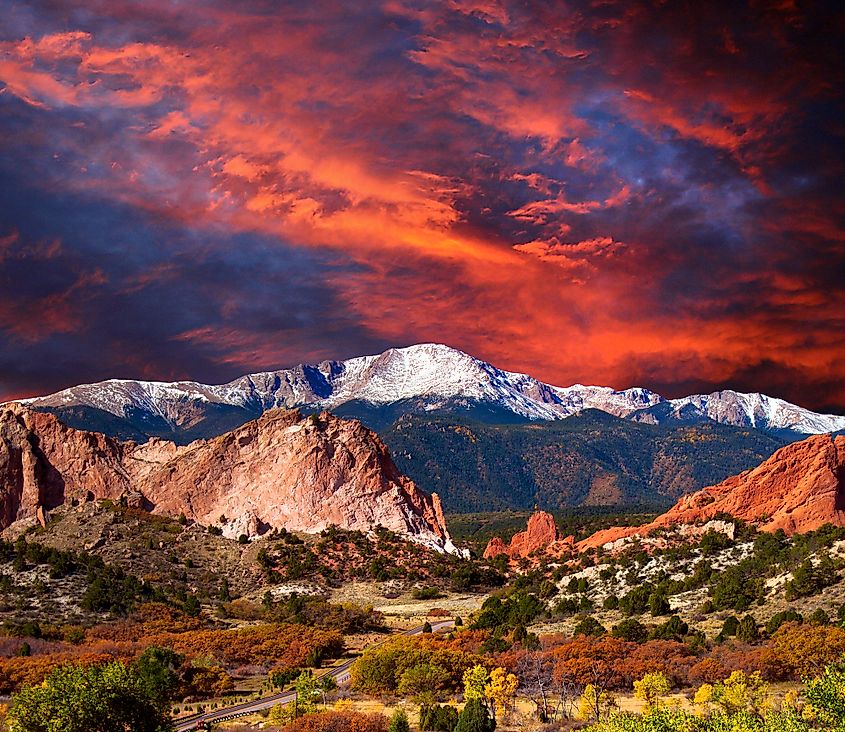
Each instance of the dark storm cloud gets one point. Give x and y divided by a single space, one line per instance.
94 287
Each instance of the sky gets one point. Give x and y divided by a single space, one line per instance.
617 193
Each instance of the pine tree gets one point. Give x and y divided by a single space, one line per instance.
399 722
475 718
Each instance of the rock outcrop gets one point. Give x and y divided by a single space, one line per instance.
280 470
44 463
540 536
798 489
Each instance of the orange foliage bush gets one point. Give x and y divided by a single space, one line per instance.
203 682
159 625
599 661
287 645
151 619
707 671
800 650
671 658
469 641
18 672
736 656
340 721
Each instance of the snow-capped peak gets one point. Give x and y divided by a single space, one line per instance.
759 411
431 375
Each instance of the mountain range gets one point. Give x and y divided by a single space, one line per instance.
378 389
800 488
481 437
589 459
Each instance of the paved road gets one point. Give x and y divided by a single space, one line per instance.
340 673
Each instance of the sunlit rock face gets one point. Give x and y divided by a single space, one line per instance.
541 536
281 470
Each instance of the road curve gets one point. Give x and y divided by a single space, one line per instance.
340 673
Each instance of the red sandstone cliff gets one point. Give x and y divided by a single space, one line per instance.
799 488
541 535
281 470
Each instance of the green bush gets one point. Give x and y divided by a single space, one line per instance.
589 626
436 718
90 699
426 593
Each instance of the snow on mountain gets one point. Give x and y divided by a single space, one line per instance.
432 376
758 411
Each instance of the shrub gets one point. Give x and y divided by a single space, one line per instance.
338 721
475 718
778 619
630 629
399 722
746 631
673 629
589 626
436 718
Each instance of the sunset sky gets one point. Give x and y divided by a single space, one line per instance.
620 193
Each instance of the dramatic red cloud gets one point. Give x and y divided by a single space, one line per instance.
601 192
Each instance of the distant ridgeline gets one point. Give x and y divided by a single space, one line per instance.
483 438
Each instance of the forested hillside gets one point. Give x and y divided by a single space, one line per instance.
589 459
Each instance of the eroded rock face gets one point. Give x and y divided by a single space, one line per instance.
798 489
281 470
43 464
540 536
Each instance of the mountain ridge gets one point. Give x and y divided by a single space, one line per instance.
797 489
425 377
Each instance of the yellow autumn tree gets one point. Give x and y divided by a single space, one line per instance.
651 687
501 691
595 704
475 682
742 691
703 697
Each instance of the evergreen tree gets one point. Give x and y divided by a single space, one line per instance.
746 631
399 722
475 718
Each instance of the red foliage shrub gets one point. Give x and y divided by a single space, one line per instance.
345 721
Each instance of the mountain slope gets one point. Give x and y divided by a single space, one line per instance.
589 459
380 388
281 470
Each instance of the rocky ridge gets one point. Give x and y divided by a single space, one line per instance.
540 536
280 470
798 489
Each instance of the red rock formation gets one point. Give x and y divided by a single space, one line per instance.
799 488
43 463
281 470
541 535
